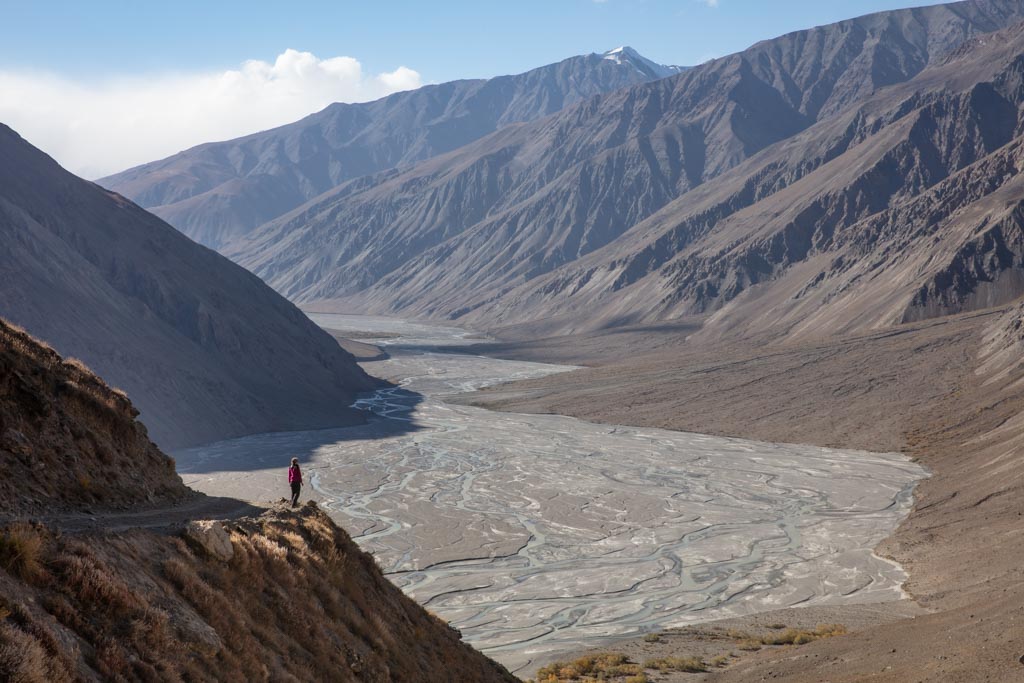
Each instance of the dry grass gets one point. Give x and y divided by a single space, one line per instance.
720 661
793 636
23 659
62 424
78 365
788 636
605 666
20 551
299 601
683 664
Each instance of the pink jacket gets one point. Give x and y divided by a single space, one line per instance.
294 475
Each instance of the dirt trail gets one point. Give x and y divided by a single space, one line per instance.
169 517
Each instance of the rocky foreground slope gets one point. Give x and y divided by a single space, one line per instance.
285 596
203 348
68 440
219 191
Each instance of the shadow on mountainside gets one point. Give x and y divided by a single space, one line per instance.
390 416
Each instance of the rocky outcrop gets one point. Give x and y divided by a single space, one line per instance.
212 538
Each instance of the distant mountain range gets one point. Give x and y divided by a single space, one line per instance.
203 348
848 176
219 191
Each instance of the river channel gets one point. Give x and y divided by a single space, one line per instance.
542 533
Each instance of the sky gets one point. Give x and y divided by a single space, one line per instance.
107 84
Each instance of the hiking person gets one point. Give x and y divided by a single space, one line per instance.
295 479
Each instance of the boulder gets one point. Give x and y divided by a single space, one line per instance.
212 537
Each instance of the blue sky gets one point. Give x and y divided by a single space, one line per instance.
103 85
441 40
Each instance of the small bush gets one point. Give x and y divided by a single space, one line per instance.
652 638
21 548
684 664
793 636
720 661
601 666
79 365
750 645
639 678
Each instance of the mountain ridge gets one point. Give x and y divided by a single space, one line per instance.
461 233
219 191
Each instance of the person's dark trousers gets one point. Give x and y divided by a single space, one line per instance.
296 487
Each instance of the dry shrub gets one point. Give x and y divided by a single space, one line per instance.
298 601
62 610
79 365
789 636
179 573
21 547
600 666
95 585
112 661
793 636
684 664
23 659
269 548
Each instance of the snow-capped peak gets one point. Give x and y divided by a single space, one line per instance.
630 57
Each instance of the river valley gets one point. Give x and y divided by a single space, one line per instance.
542 533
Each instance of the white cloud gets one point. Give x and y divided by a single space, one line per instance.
710 3
98 128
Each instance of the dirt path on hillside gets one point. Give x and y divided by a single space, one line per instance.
170 517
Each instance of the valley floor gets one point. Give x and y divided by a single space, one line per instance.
916 388
534 534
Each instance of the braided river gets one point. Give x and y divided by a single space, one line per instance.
535 534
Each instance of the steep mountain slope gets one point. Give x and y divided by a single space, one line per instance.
902 209
205 349
285 596
218 191
67 439
456 233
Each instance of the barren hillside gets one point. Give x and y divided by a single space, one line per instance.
203 348
284 596
622 206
